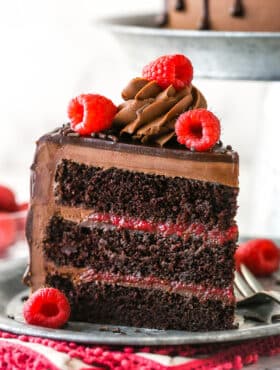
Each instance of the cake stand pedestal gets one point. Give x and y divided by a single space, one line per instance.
219 55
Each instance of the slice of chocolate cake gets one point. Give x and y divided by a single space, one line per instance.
132 232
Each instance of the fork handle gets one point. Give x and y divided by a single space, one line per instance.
275 295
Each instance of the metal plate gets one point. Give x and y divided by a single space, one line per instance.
220 55
12 291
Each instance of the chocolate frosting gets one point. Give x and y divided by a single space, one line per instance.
149 112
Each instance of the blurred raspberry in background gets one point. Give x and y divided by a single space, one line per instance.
12 218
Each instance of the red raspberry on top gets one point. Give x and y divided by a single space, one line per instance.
198 129
167 70
90 113
47 307
261 256
7 200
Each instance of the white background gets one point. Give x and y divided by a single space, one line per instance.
50 52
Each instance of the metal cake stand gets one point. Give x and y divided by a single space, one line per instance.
219 55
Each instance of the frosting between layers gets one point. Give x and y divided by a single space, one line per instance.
87 275
185 231
149 113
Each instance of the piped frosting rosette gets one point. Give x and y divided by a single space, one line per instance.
149 112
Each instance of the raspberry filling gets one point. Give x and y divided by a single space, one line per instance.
185 231
199 291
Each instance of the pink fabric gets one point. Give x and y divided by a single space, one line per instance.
218 356
14 356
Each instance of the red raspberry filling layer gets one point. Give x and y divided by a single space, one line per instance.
200 291
185 231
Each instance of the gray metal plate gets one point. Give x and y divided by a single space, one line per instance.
11 292
220 55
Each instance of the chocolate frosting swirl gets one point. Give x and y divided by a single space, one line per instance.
149 112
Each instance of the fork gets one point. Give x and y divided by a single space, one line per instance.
248 289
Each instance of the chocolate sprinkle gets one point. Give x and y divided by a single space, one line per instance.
66 130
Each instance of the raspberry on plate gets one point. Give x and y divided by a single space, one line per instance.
47 307
198 129
7 200
167 70
261 256
90 113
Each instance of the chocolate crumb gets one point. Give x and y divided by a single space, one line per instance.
24 298
229 147
11 317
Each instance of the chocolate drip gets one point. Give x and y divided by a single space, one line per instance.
237 9
180 5
162 19
205 21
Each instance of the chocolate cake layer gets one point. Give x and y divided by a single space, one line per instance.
112 304
145 196
127 252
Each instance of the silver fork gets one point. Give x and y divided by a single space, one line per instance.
248 289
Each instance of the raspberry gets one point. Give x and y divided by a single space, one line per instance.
22 206
47 307
90 113
198 129
167 70
261 256
7 200
8 231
